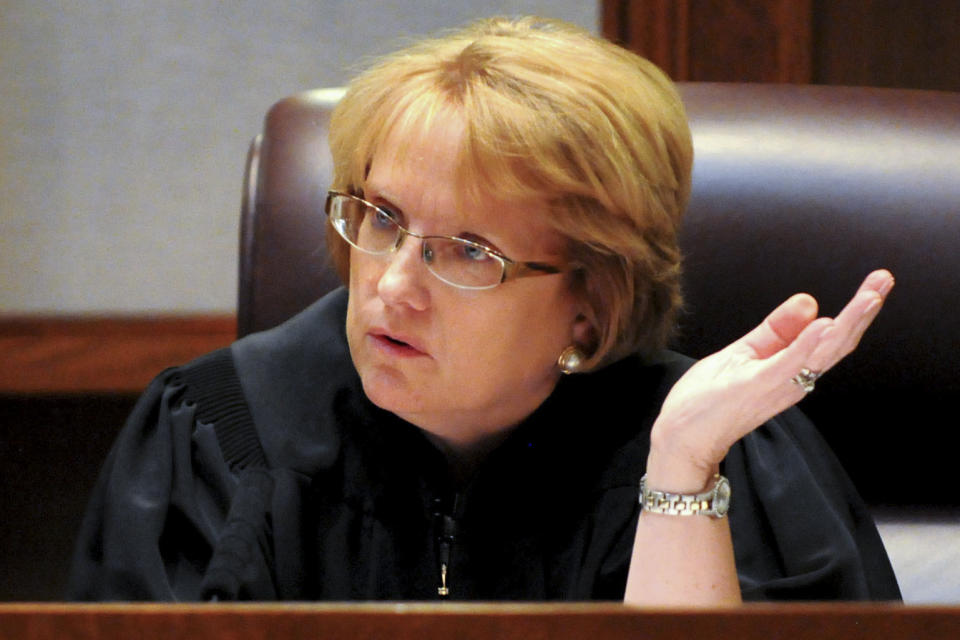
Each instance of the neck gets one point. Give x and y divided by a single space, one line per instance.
465 456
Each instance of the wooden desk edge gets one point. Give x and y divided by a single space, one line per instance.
475 620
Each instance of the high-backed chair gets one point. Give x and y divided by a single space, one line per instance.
795 188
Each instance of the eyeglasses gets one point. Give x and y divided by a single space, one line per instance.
457 261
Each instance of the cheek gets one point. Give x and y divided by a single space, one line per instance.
365 272
361 287
525 334
355 271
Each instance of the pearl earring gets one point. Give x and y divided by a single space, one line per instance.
570 360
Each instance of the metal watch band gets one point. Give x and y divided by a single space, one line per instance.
714 502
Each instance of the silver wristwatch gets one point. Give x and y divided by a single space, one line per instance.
714 502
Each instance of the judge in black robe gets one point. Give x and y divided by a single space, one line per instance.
562 164
262 472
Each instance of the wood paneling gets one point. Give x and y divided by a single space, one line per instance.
717 40
888 43
885 43
108 354
657 29
750 40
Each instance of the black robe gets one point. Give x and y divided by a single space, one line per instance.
261 471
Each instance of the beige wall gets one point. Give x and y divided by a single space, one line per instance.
124 125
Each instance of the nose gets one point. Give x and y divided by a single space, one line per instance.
402 281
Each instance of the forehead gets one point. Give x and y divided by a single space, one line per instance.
423 171
424 153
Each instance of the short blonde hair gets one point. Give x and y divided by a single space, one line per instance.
555 115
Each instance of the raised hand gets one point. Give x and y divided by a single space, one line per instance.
728 394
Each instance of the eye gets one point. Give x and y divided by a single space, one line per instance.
473 253
382 219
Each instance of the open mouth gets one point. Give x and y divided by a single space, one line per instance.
397 346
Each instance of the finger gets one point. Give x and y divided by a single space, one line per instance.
875 287
854 320
881 281
779 329
866 303
785 364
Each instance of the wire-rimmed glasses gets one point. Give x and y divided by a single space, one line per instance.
457 261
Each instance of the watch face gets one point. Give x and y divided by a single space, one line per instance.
721 503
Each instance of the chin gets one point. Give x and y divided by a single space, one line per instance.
390 391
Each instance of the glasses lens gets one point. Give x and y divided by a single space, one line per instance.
462 263
458 262
363 225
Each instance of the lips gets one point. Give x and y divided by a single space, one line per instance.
396 343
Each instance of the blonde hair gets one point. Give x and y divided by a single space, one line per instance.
555 115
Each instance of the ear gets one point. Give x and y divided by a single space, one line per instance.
584 333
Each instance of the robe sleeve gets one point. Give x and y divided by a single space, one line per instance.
166 494
800 529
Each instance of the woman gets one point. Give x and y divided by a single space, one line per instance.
506 203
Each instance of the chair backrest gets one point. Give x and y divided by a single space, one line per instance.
795 188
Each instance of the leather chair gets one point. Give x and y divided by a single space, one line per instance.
795 188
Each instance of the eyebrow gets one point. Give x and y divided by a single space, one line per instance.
372 192
385 202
